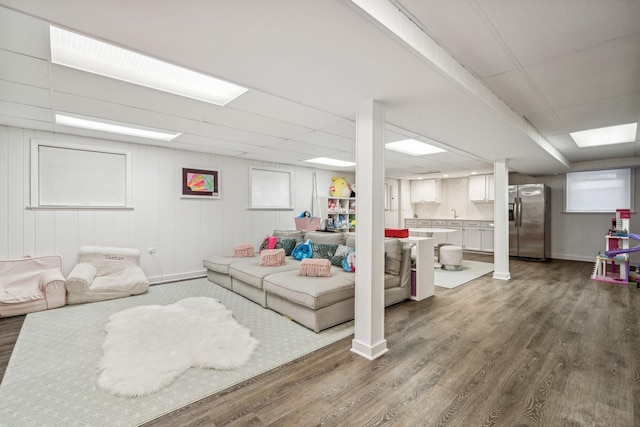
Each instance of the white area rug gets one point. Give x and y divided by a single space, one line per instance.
51 377
149 346
470 270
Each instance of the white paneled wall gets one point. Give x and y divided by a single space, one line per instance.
185 231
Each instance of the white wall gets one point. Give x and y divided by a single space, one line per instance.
455 195
185 231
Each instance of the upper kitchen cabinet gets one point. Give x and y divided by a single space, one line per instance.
426 191
481 188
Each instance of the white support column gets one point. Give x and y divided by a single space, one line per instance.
369 339
501 221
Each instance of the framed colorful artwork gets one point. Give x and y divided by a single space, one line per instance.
200 183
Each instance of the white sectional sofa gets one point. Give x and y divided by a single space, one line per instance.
315 302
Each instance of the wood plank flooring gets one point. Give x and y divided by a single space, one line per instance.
548 347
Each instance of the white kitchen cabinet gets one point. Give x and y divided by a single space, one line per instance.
426 191
472 236
411 223
481 188
454 237
487 237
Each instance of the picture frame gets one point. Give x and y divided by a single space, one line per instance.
199 183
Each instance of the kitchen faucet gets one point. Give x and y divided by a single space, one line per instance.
455 215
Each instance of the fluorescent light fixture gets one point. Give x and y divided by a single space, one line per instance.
413 147
331 162
605 136
111 126
87 54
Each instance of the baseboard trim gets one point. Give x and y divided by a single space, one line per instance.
367 351
158 280
501 276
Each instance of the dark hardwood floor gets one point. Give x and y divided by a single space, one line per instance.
548 347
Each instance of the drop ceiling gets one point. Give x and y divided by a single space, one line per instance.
511 79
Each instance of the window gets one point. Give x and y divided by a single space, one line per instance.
75 176
598 191
270 188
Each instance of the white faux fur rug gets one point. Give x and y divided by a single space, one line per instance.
148 347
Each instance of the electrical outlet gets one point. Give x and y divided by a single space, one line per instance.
152 251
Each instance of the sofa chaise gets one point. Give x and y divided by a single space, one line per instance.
315 302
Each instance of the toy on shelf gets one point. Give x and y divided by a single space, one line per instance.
340 188
613 265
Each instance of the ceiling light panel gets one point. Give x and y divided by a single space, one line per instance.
93 56
92 123
605 136
331 162
413 147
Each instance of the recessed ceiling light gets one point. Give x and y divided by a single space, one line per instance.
605 136
445 176
474 173
111 126
413 147
331 162
87 54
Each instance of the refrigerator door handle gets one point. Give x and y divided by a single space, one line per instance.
518 212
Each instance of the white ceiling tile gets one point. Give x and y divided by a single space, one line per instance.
21 122
25 94
536 31
230 134
254 123
105 110
202 141
345 129
516 91
266 105
23 69
332 142
24 34
24 111
601 113
609 70
546 123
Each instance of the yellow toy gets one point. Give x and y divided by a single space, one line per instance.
340 188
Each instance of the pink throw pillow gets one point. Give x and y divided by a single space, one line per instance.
243 251
272 257
315 267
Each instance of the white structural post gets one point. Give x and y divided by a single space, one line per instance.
501 221
368 340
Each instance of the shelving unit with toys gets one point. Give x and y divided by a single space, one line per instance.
612 265
340 213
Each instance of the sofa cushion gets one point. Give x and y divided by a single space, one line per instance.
312 292
351 241
323 237
252 273
322 250
289 234
391 281
393 250
221 263
339 254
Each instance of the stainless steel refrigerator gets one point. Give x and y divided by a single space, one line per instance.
529 221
